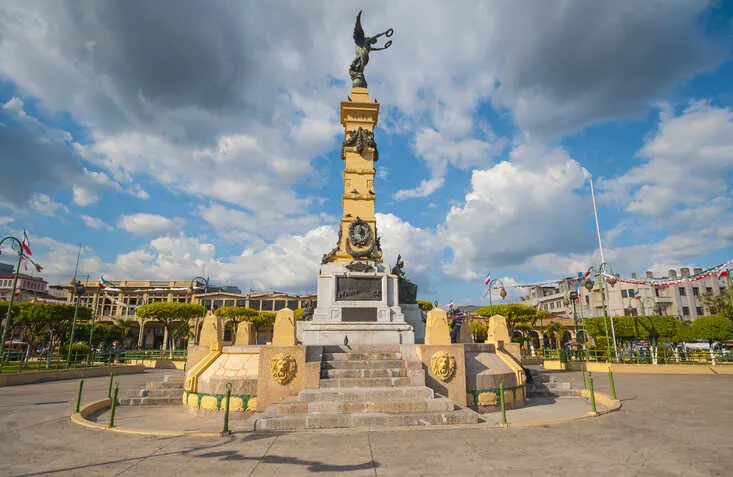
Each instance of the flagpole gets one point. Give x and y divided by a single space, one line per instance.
12 296
603 262
76 308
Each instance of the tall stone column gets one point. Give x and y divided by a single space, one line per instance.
359 152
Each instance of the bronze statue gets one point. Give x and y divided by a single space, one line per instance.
363 47
397 269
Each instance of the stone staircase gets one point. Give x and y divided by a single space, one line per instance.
158 393
364 389
548 385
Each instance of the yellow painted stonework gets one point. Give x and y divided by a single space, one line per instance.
443 366
210 403
360 111
192 376
283 333
212 331
236 404
245 334
252 404
498 330
436 328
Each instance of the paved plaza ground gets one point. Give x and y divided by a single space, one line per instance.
669 425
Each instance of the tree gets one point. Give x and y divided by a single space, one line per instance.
720 305
169 313
524 329
424 305
555 331
239 314
712 328
514 313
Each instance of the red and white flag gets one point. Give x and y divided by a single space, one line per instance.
723 273
26 244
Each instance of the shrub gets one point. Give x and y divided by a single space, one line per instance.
479 331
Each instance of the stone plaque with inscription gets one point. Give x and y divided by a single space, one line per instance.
358 289
358 314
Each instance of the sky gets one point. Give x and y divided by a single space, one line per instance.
172 139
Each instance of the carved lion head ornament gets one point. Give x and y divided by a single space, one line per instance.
443 366
283 368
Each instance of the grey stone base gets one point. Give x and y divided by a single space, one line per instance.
333 334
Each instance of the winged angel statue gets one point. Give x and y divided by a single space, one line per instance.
363 45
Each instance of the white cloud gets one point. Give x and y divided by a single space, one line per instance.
83 196
6 220
236 225
518 209
43 204
439 151
148 224
687 161
95 223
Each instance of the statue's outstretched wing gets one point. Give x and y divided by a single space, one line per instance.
358 30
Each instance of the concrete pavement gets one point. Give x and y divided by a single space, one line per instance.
670 425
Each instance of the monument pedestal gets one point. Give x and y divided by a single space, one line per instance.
357 307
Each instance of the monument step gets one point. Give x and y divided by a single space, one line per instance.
375 394
151 401
368 419
155 385
360 356
387 406
364 373
363 382
364 364
362 348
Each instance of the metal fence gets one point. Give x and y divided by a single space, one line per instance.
664 356
16 361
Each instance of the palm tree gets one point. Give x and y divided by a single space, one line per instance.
555 331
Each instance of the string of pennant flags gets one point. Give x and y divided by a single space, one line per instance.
719 271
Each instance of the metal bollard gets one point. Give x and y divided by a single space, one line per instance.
592 394
78 396
501 402
109 388
227 396
582 371
113 406
613 385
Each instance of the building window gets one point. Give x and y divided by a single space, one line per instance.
292 304
254 304
624 294
682 291
229 303
279 304
587 300
242 303
699 311
686 310
266 305
709 290
218 304
656 292
695 291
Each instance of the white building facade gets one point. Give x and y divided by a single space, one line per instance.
681 300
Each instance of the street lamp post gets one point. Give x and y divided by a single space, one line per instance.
502 293
15 244
599 271
194 284
573 297
78 290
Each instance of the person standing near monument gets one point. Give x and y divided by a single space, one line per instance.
457 323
